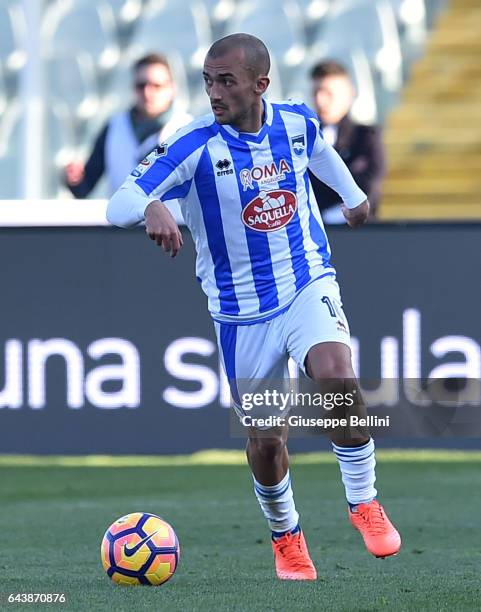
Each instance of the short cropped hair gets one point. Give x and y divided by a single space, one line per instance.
255 52
151 59
328 68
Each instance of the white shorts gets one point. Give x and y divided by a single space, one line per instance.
260 352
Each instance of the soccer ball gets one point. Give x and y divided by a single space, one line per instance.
140 548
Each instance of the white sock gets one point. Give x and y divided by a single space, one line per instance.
357 464
277 504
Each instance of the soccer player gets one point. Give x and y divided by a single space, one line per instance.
263 260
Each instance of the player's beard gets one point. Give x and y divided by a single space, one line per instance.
222 116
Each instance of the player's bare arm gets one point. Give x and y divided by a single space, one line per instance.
357 216
161 227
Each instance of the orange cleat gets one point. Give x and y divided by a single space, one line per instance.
380 536
292 558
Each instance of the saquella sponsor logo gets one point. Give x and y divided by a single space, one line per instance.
270 210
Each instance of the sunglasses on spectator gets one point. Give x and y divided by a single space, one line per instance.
143 84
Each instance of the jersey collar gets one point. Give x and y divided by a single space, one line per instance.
259 137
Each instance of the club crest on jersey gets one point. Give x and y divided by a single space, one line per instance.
270 210
298 144
264 175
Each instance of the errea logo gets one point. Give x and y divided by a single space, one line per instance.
223 167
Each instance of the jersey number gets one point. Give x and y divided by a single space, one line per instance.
325 300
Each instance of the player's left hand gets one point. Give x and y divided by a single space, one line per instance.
355 217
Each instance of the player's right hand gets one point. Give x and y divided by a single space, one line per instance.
161 227
355 217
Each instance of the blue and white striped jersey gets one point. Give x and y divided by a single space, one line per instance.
247 201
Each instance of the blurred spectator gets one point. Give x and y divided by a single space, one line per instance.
360 146
130 135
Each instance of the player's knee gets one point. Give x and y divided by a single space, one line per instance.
335 372
334 366
267 448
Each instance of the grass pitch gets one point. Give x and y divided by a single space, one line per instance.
54 512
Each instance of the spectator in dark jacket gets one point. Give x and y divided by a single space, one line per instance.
360 146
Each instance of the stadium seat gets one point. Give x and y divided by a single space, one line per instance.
10 146
75 26
276 89
169 25
9 129
3 92
370 25
9 176
411 20
126 11
364 109
126 14
12 34
71 78
59 145
280 27
118 94
199 104
314 12
219 13
58 148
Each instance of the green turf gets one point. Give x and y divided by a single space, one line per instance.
53 518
